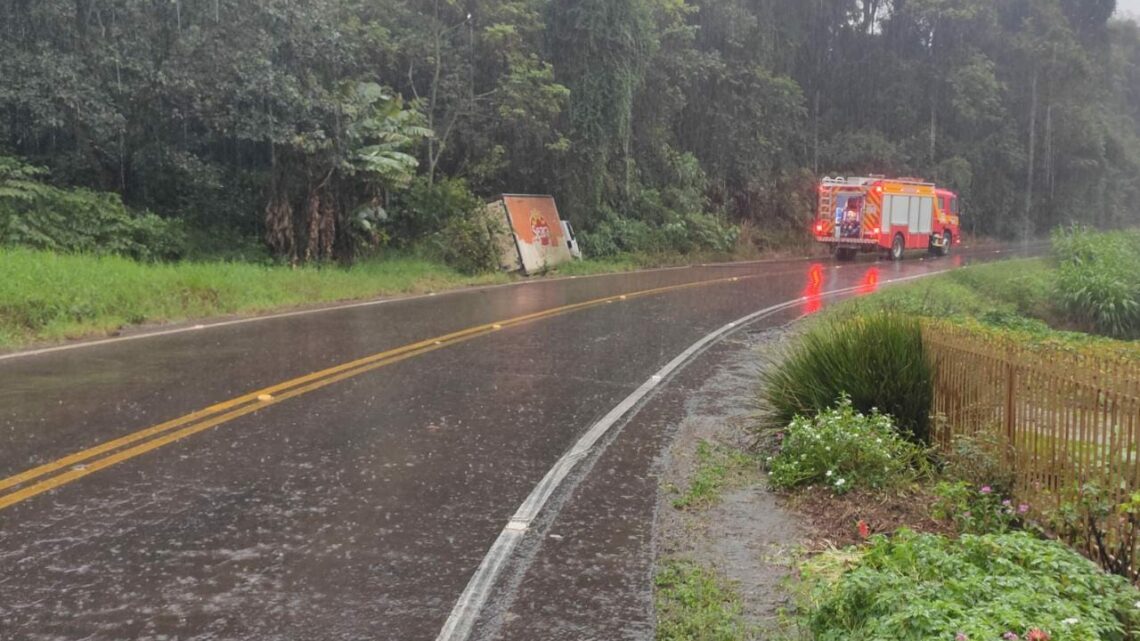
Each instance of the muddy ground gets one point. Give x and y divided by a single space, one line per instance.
749 537
753 536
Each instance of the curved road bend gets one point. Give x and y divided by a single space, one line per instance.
353 504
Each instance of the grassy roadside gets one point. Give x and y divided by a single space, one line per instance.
718 468
1015 299
694 603
47 297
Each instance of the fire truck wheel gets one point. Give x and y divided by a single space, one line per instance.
947 243
897 247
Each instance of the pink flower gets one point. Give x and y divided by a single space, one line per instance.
1010 636
1007 502
1023 509
1037 634
987 489
961 636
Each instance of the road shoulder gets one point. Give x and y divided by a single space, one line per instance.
588 572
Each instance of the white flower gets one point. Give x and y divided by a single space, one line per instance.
840 482
1072 621
1137 604
829 474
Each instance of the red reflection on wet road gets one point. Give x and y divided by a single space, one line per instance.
870 283
814 289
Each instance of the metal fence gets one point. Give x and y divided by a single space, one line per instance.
1068 418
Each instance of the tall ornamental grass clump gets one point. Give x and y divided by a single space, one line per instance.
1098 281
978 588
877 361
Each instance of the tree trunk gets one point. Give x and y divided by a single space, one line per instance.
1026 220
815 131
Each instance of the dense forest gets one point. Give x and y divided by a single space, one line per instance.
333 129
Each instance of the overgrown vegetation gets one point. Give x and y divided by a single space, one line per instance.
1088 286
844 450
330 130
976 509
694 604
877 361
38 215
980 460
987 569
716 468
1092 518
1098 280
919 586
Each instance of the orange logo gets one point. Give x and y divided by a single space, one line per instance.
540 228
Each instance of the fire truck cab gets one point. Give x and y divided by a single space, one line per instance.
890 216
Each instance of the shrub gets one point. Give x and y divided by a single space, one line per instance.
976 509
615 237
1092 519
37 215
917 587
877 360
844 450
468 245
980 460
425 209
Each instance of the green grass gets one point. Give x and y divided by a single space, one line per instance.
717 469
1021 288
48 297
694 604
1015 299
596 266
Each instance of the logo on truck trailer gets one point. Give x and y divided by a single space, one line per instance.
530 234
886 215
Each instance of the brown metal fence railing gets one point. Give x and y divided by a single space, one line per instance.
1068 419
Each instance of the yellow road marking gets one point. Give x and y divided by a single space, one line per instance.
226 411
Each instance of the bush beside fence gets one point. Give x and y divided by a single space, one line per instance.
1069 421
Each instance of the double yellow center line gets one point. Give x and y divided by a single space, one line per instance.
25 485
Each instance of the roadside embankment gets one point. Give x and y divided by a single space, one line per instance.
47 297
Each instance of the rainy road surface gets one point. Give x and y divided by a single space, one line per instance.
342 474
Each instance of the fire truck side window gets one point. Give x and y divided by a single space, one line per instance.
954 206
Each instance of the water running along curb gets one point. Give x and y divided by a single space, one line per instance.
469 607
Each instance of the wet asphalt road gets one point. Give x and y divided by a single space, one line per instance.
361 509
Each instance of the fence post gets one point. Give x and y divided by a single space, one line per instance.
1010 405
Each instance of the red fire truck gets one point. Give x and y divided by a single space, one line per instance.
890 216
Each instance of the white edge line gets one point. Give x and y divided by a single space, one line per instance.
470 604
